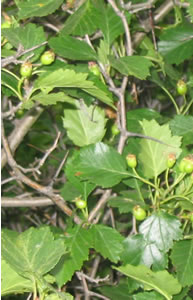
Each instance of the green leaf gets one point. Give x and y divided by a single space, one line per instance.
33 251
176 43
136 115
153 155
11 82
12 282
68 78
182 259
138 251
137 66
110 24
182 294
161 229
127 200
78 241
59 296
37 8
28 36
107 241
51 99
84 187
101 165
82 21
182 126
85 125
161 281
71 48
120 291
148 295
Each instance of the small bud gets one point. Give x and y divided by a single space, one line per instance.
131 160
171 160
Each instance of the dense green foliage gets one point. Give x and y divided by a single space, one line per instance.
97 159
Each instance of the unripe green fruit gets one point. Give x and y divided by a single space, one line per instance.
26 69
139 213
80 204
171 160
93 67
47 57
181 88
188 168
131 160
114 129
20 113
186 164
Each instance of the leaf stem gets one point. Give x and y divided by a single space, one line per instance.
172 99
179 178
174 197
143 179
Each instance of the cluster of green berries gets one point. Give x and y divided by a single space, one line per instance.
186 164
47 58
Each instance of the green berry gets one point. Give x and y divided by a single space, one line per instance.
181 88
80 203
93 67
47 57
171 160
114 129
26 69
188 168
139 213
20 113
131 160
186 164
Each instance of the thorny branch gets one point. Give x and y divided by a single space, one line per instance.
48 191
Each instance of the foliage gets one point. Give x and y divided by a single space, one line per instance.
97 150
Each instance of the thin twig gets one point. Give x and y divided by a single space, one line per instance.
119 13
21 129
26 202
59 168
43 159
46 190
13 58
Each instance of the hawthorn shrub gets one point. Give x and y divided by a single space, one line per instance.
97 140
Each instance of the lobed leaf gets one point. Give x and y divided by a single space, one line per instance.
161 281
182 258
107 241
137 66
85 125
12 282
78 241
101 164
37 8
161 229
28 36
153 155
33 251
176 43
72 48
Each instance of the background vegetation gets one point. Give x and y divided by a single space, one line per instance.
97 149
